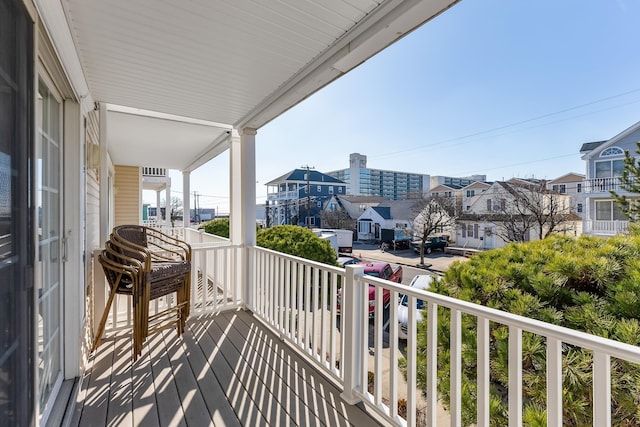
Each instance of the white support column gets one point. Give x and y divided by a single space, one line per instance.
186 207
158 216
242 220
167 205
104 177
99 282
352 310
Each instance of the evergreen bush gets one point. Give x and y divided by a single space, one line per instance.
588 284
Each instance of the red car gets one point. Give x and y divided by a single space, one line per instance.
384 271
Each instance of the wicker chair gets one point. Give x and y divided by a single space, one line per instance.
147 264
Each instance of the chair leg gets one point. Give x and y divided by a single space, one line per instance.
103 320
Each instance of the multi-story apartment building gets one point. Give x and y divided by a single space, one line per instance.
297 197
604 165
365 181
455 181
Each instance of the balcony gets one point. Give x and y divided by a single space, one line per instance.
602 185
605 228
284 195
291 359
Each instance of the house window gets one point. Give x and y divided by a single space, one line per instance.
471 193
612 151
330 189
311 220
339 189
609 168
319 188
503 204
579 208
362 208
319 204
579 187
608 210
489 205
470 230
468 207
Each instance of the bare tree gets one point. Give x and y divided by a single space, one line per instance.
531 207
176 205
338 219
432 214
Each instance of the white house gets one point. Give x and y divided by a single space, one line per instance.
470 193
604 165
571 184
391 214
495 214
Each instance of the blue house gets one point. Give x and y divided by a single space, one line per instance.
297 197
604 165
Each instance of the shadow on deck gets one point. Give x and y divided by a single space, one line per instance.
228 370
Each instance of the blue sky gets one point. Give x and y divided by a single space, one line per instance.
497 87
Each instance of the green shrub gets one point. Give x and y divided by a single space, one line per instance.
297 241
219 227
589 284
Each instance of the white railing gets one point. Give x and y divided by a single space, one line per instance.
297 299
601 185
284 195
214 280
147 171
359 333
606 228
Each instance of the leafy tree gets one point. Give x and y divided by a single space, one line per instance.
629 181
298 241
432 214
589 284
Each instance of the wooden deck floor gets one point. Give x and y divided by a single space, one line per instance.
227 370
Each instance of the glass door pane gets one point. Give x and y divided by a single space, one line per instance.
49 226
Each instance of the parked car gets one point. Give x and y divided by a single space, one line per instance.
431 244
421 281
382 270
346 260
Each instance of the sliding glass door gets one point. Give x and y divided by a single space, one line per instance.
17 401
49 262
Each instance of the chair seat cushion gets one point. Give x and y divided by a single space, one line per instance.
167 277
165 270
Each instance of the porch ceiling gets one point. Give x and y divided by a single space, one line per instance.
240 63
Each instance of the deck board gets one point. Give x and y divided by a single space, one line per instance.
226 370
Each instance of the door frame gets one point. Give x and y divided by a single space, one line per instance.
73 348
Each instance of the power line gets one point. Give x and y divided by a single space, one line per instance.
423 146
516 164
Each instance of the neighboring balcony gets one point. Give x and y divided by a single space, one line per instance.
602 185
605 228
283 195
156 179
275 351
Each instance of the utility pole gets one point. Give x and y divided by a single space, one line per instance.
307 176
